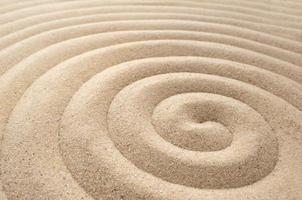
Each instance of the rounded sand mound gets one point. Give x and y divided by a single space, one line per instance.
150 99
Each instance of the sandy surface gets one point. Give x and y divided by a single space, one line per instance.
150 99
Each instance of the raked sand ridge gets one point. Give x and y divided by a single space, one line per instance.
150 99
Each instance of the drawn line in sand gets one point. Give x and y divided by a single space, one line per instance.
151 100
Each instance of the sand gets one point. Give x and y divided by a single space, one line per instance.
150 99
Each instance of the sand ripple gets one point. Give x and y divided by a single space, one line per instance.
151 99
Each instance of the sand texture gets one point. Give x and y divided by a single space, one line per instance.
151 99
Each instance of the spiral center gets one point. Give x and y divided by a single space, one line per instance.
179 101
189 126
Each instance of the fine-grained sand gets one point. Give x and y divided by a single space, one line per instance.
151 99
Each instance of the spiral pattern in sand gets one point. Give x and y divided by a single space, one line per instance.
149 99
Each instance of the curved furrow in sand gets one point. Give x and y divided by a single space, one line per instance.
151 100
16 53
48 102
283 7
276 5
280 5
31 25
286 21
14 82
15 5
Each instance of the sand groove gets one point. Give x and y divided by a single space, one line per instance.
150 99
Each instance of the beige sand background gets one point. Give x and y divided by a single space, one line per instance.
151 99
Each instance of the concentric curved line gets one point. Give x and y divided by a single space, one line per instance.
151 99
82 71
16 53
12 5
217 18
282 20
